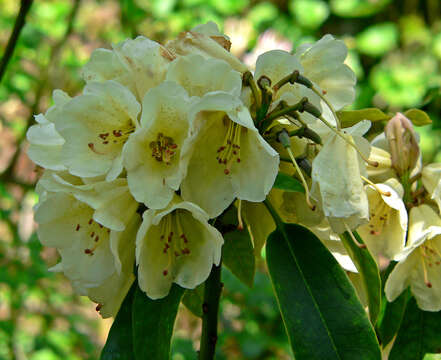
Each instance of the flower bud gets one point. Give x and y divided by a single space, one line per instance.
403 143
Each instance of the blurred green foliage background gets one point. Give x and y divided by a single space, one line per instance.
394 49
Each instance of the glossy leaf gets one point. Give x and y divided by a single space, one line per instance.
238 255
419 334
193 300
153 322
352 117
368 269
418 117
119 343
321 312
288 183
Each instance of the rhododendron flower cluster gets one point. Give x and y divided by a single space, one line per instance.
164 138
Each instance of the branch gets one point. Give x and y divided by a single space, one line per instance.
25 5
210 308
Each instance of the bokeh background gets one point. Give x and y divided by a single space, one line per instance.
394 49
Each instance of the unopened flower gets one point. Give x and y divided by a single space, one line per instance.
403 143
152 155
138 64
431 178
228 157
175 245
45 142
420 262
95 126
386 231
336 179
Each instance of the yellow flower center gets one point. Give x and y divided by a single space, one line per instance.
175 242
163 148
380 218
229 152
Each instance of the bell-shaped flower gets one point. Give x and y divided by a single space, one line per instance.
199 75
138 64
336 179
45 142
386 231
420 262
228 156
431 178
95 126
175 245
323 64
205 40
87 241
153 154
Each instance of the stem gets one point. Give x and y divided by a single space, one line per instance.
210 308
277 219
25 5
275 114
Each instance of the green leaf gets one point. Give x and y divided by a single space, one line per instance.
418 117
119 343
288 183
309 13
153 322
357 8
193 300
392 315
351 117
368 270
321 312
420 333
238 255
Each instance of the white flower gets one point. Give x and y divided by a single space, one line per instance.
386 231
323 64
336 179
152 155
228 156
205 40
175 245
95 127
45 142
199 75
431 178
420 262
384 170
139 64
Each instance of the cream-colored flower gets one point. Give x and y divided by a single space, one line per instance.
199 75
205 40
87 238
384 170
45 142
95 126
386 231
431 178
153 154
323 64
175 245
228 156
420 262
336 179
138 64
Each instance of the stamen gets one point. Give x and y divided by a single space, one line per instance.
361 246
426 278
163 148
239 216
299 171
321 95
381 192
229 151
